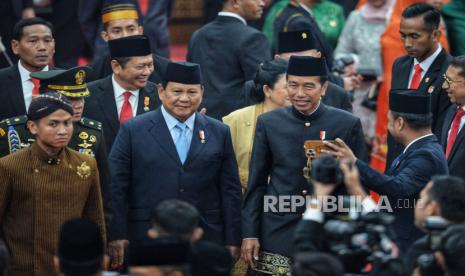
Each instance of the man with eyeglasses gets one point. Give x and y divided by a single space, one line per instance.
278 159
453 134
127 92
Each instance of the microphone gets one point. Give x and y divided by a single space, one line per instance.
5 54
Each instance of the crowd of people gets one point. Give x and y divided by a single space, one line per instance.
256 156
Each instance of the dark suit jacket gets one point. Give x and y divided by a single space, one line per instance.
145 169
229 53
11 93
403 182
155 25
296 18
431 82
276 168
101 106
456 160
102 68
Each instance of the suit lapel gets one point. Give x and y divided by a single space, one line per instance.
197 145
161 134
148 99
16 95
108 104
447 123
427 83
404 74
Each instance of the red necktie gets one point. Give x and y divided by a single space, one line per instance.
416 79
143 6
454 130
126 109
35 89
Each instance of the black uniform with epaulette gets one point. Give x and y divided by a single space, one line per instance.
87 136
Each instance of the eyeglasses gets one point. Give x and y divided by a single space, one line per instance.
450 82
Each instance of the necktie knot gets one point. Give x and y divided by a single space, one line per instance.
127 95
35 89
459 113
416 79
418 68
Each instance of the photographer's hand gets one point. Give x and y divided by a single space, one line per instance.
340 150
322 190
352 179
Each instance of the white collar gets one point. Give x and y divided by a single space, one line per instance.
419 138
118 90
171 121
24 73
425 64
307 9
235 15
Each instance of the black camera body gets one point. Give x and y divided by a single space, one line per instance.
326 170
435 225
361 241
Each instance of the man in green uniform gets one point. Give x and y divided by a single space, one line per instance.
87 135
45 185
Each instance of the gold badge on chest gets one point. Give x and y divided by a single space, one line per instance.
83 170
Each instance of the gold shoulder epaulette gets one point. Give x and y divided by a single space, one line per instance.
91 123
15 120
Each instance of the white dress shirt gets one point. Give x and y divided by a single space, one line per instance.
235 15
119 97
26 83
307 9
425 64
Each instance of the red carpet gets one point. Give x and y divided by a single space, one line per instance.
178 52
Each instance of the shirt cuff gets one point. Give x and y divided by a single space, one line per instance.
313 214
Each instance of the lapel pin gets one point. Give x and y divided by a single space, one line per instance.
431 89
202 136
427 80
322 135
146 104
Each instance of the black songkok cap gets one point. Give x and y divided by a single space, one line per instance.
410 101
183 72
297 41
307 66
71 82
45 104
130 46
159 252
80 242
209 258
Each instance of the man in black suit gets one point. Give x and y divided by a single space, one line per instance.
303 43
423 67
127 92
453 133
120 19
298 16
229 53
34 44
278 157
11 11
154 18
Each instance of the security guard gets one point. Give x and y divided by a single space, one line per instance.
87 135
